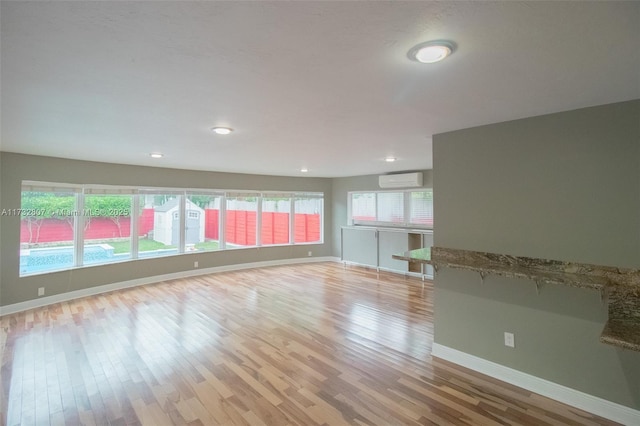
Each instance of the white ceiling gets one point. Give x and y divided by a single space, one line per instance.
321 85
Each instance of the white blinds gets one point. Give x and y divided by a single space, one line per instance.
33 186
390 207
394 208
421 208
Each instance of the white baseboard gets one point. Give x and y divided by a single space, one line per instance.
91 291
592 404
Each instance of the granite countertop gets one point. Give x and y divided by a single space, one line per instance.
421 255
622 286
540 276
622 333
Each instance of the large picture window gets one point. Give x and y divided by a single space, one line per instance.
241 220
66 226
308 218
47 221
276 217
106 228
159 224
409 208
202 222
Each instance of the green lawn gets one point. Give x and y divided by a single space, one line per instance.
208 246
149 245
143 245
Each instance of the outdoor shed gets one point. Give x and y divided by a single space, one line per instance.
166 228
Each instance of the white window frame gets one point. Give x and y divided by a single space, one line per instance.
81 191
406 223
290 196
318 195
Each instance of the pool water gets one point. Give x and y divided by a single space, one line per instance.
57 258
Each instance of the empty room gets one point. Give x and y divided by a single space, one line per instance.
319 213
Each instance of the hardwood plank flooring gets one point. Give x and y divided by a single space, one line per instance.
316 344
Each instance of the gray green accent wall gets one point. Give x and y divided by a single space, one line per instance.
18 167
563 186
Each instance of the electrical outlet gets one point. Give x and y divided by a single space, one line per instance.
310 253
40 291
509 340
195 264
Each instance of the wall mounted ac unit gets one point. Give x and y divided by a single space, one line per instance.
403 180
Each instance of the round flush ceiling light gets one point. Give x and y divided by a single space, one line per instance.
431 51
304 170
390 159
156 155
221 130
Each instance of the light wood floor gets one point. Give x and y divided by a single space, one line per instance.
318 344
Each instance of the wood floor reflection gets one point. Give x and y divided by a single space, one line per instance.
317 344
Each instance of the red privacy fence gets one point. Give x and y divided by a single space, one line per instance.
55 230
240 228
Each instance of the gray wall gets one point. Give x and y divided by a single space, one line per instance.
17 167
562 186
341 188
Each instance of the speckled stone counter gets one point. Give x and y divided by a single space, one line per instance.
622 333
618 286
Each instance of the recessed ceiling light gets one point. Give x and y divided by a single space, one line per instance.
304 170
156 155
431 51
390 159
221 130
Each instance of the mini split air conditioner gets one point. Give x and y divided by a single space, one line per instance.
403 180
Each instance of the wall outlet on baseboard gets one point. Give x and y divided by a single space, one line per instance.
310 253
40 291
195 264
509 339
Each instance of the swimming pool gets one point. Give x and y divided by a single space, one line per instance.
56 258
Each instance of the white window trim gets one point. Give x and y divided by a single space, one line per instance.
406 224
81 191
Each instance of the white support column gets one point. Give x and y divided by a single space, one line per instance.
259 221
182 220
222 219
135 219
292 221
78 227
